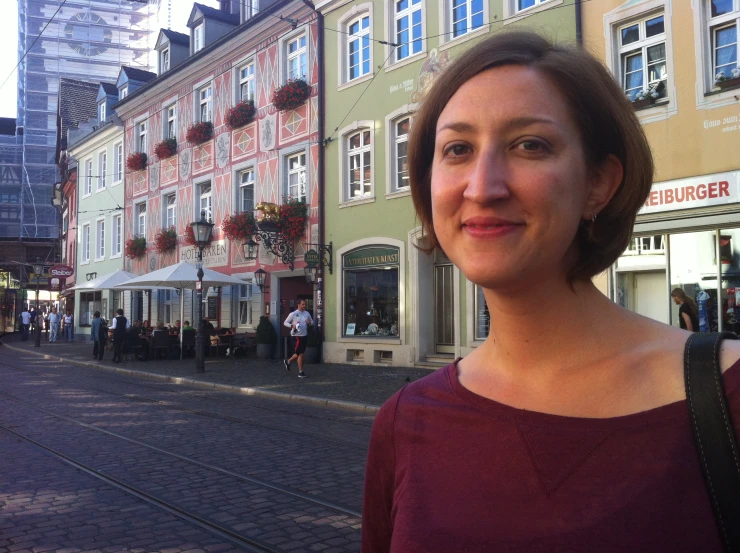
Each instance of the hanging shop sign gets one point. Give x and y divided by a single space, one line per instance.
704 191
371 257
61 271
311 257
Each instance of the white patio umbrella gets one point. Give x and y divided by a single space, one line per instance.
106 282
183 276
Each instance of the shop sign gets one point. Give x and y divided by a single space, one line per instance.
311 257
62 271
56 284
214 255
371 257
704 191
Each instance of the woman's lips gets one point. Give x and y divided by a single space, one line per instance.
480 227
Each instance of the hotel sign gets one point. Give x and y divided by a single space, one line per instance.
214 255
704 191
371 257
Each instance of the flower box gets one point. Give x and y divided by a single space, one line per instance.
136 161
135 247
239 226
728 83
200 132
643 103
166 240
293 215
241 114
166 148
291 95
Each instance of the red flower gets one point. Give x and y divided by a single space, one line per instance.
240 226
293 216
166 148
291 95
135 247
166 240
241 114
136 161
200 132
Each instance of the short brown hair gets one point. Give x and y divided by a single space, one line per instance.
602 113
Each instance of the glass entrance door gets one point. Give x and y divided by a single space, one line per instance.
444 309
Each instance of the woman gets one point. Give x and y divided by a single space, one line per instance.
688 311
567 429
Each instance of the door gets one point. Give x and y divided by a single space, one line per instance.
651 295
444 309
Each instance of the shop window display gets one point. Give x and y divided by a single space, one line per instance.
90 302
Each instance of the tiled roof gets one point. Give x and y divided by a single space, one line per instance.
218 15
110 88
7 126
77 103
176 38
140 75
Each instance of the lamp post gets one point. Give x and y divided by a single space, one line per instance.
38 269
202 231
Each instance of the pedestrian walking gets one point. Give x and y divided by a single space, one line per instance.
99 335
68 326
119 326
25 323
298 322
688 312
54 321
568 428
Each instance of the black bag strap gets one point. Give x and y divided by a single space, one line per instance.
713 432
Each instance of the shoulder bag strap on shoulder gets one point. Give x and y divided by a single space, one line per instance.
713 432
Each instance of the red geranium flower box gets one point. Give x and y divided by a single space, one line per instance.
136 161
135 247
291 95
200 132
293 215
166 148
166 240
239 226
241 114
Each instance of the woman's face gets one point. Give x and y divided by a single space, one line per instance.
509 180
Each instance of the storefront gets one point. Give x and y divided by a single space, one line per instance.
687 236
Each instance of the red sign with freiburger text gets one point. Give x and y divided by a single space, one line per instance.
693 192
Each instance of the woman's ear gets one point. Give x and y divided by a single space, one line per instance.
603 184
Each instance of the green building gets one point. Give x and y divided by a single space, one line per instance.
387 302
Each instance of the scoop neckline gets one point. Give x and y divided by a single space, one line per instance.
669 411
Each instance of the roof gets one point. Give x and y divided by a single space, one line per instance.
77 103
216 14
7 126
110 88
176 38
140 75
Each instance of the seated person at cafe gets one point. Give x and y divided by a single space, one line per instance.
175 329
214 337
187 326
134 339
224 331
146 328
160 325
208 325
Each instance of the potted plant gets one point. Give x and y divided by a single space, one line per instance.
293 215
135 247
265 338
723 82
313 342
239 226
200 132
241 114
291 95
136 161
645 98
166 148
166 240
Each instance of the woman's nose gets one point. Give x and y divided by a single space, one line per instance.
489 177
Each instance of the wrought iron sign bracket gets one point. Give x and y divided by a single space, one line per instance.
275 242
325 252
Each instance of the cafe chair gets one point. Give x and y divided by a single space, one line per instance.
188 341
160 343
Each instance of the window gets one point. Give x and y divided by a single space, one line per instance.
407 27
467 15
171 211
246 82
642 56
141 220
198 38
646 245
86 243
206 97
246 190
102 169
89 304
100 240
118 162
522 5
117 242
122 92
141 138
88 178
169 306
101 111
170 128
724 17
297 176
296 58
360 168
245 305
358 48
400 163
206 200
164 60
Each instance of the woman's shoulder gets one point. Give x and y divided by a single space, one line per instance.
430 388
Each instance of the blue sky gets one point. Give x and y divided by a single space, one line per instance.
9 44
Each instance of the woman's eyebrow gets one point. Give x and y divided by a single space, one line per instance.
516 123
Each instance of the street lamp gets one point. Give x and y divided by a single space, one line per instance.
310 274
38 270
259 279
250 250
202 232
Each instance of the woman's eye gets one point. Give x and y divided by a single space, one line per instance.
456 150
531 145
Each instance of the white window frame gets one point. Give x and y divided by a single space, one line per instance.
100 239
170 211
363 33
140 225
170 113
244 297
247 81
358 155
87 191
247 173
206 197
711 26
123 92
301 52
357 11
199 36
141 136
512 13
85 239
101 111
164 60
296 173
397 16
116 245
205 103
168 300
117 163
344 163
395 143
640 47
446 8
102 170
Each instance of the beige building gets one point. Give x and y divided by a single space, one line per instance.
677 60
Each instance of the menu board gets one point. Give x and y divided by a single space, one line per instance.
212 308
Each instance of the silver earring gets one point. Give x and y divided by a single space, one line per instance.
588 223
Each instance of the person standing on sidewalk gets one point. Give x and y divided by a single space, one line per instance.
25 323
119 325
99 334
68 327
54 320
298 322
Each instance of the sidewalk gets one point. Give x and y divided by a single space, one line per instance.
356 387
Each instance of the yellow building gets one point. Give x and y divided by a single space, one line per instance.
677 60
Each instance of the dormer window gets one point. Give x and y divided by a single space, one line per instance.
198 38
164 60
123 92
101 111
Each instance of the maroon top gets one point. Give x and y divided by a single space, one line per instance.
451 471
